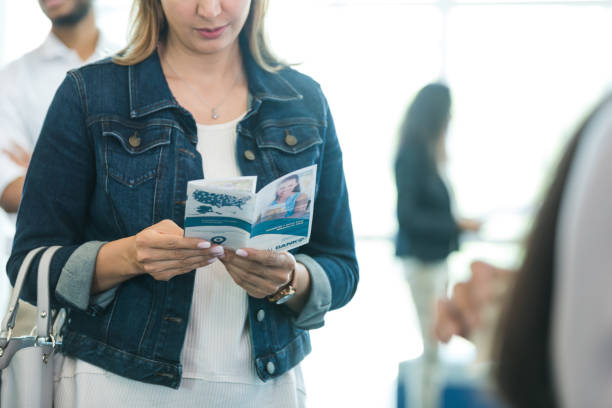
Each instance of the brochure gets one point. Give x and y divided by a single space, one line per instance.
228 212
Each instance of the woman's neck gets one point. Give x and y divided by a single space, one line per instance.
204 69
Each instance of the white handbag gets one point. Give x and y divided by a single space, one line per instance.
26 361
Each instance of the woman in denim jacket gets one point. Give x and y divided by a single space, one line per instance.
195 94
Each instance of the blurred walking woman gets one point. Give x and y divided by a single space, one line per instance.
428 228
195 94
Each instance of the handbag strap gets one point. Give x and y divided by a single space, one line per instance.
42 297
9 320
44 338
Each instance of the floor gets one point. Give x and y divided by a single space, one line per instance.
356 355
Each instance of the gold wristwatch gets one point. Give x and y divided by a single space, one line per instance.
284 293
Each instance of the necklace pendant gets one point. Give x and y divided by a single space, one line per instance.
215 115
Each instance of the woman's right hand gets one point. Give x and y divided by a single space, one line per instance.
163 252
160 251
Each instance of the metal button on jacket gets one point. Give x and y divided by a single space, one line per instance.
134 140
270 368
290 139
261 314
249 155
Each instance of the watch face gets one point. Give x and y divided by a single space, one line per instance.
285 298
285 294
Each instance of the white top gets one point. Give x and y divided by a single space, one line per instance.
218 322
582 310
28 86
218 367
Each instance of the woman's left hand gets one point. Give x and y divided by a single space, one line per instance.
260 272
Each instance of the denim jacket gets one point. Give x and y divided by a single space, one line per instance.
114 157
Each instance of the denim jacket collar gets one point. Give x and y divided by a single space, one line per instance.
266 85
149 91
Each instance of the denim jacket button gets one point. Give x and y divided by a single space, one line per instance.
261 314
249 155
290 139
270 368
134 140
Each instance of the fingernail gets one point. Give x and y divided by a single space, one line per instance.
218 250
204 244
241 252
212 260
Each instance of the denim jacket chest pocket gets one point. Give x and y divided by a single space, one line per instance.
289 148
135 156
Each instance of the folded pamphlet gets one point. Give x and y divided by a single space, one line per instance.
228 212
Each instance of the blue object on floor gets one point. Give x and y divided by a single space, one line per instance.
458 388
466 396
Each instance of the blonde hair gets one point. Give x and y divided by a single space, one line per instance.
149 27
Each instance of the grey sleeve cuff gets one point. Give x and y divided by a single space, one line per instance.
319 301
74 284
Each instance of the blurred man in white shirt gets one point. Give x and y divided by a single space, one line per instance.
29 83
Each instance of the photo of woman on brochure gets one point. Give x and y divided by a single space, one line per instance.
289 201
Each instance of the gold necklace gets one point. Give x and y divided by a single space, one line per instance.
213 109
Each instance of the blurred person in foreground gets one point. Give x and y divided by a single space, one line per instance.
551 346
29 83
156 318
581 303
428 228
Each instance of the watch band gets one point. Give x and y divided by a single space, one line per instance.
284 293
